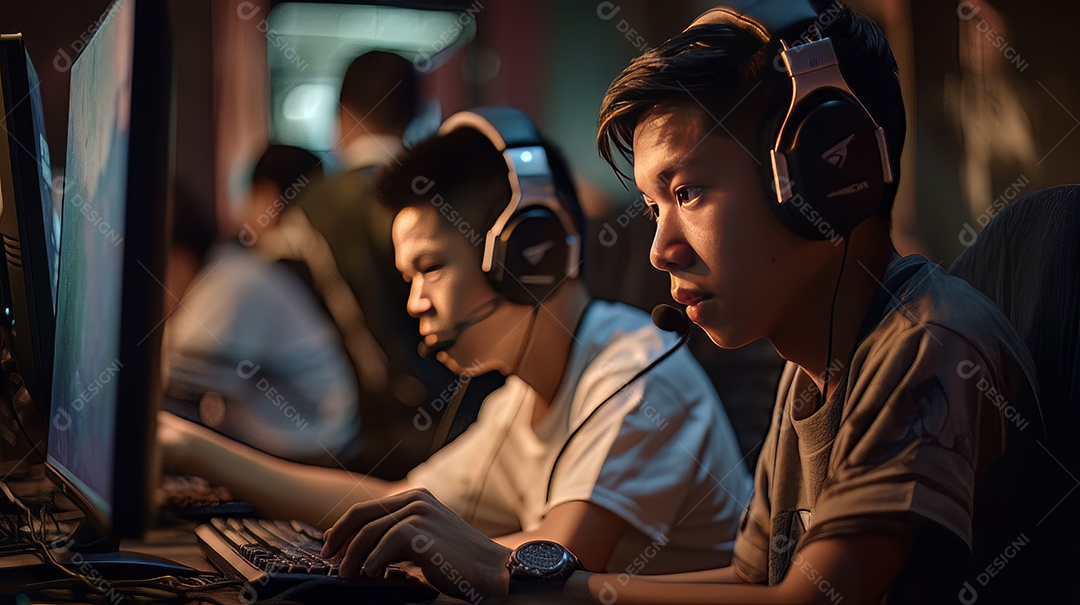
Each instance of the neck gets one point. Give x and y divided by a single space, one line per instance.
803 337
368 144
547 351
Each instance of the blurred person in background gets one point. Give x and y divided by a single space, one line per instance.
250 351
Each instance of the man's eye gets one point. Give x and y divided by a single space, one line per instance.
652 211
685 195
432 268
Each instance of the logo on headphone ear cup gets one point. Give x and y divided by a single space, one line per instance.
531 254
833 161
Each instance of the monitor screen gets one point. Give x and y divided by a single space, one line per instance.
29 223
113 242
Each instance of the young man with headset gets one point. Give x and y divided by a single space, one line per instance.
885 471
772 191
607 441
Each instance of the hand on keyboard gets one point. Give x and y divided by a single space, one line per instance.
272 556
414 526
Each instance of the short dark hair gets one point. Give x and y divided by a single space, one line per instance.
381 88
285 166
470 176
729 69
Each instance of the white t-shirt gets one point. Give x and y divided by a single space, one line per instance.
661 454
249 330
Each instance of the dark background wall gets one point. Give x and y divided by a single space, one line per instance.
992 96
556 58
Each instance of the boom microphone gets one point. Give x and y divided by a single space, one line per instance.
670 319
446 339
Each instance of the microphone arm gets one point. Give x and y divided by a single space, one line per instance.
667 318
477 315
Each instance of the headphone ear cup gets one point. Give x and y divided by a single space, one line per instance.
834 165
531 257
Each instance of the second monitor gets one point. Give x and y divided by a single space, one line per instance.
106 371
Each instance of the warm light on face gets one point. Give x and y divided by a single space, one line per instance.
731 262
447 286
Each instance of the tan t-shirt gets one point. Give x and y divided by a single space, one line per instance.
919 415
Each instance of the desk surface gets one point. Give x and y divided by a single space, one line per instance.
179 544
174 543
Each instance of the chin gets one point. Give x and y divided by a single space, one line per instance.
456 363
727 337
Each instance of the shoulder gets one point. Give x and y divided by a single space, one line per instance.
615 341
911 363
351 190
260 288
501 405
937 312
932 364
937 298
621 342
232 271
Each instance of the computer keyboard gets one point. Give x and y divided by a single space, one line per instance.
181 491
186 498
272 556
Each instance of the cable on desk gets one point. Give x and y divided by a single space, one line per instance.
162 589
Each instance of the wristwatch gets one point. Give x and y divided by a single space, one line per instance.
541 565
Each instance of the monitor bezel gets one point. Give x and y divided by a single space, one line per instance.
25 269
136 467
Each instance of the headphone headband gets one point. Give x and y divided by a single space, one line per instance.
825 124
764 17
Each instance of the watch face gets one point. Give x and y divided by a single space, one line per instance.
542 557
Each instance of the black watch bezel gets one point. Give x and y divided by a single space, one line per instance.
541 564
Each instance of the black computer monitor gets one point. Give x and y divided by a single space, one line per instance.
106 369
29 225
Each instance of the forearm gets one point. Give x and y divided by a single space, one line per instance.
279 488
724 575
586 529
514 540
855 569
